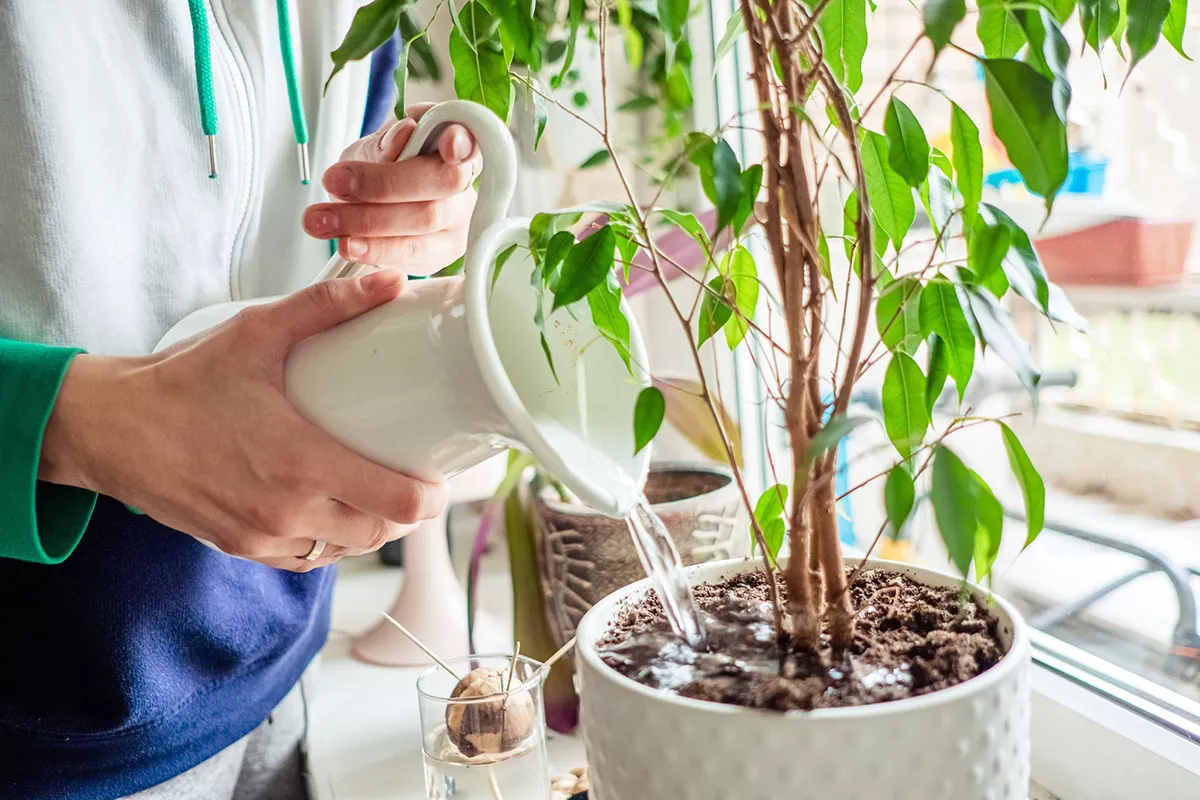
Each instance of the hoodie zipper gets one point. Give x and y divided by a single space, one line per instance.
236 75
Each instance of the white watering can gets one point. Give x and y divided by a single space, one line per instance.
452 372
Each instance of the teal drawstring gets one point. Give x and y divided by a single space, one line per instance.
202 54
295 101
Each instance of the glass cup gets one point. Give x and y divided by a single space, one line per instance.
483 730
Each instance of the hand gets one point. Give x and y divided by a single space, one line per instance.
411 214
202 438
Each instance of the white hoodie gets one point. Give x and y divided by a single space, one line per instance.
110 228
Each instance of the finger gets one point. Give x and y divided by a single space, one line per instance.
416 255
417 110
326 304
417 178
370 490
456 145
384 145
330 220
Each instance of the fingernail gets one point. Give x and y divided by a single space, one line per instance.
461 146
341 181
356 247
380 280
320 222
388 138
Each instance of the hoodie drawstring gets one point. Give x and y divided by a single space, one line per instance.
202 54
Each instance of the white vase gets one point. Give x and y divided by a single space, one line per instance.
452 372
968 742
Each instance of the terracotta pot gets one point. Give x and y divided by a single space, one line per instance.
584 556
1124 252
968 742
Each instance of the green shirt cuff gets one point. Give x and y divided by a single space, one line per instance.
39 522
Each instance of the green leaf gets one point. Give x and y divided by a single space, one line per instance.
899 494
689 225
1146 18
727 182
939 369
647 417
1098 18
897 316
996 328
585 267
540 115
517 31
986 248
891 198
941 314
1173 28
556 251
422 63
999 30
549 357
953 495
373 24
941 17
1048 53
832 432
743 274
1032 486
715 309
967 159
605 304
400 78
735 27
940 200
843 27
501 260
1021 263
627 247
575 12
942 161
773 534
908 149
597 158
989 530
751 184
638 103
1024 118
480 73
478 25
771 504
700 148
904 415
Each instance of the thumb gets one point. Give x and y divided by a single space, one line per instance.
329 303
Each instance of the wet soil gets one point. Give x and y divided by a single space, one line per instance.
910 639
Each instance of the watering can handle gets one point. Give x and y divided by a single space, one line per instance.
496 184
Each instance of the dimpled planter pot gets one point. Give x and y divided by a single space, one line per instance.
584 556
968 742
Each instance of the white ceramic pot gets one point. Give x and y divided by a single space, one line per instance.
968 742
452 371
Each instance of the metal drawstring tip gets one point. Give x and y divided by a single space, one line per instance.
212 156
302 153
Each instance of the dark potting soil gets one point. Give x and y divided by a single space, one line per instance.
910 639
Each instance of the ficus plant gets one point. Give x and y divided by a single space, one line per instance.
814 302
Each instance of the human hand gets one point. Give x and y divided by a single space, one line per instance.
202 438
411 214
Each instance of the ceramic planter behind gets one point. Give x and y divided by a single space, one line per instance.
584 556
969 742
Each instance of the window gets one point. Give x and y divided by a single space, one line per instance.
1112 583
